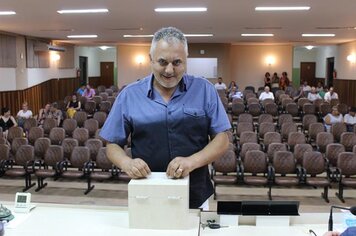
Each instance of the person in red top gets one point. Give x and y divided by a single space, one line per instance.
284 81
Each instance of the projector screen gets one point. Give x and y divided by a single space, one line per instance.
205 67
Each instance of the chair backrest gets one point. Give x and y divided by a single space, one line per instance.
80 156
111 99
104 95
245 117
243 126
325 108
309 108
54 155
265 127
301 102
56 135
17 143
343 108
346 162
286 101
94 145
255 162
271 137
100 116
271 108
97 99
252 99
227 163
287 128
284 162
92 126
4 152
90 107
334 102
230 135
267 118
14 132
105 106
248 147
254 109
29 123
102 161
99 137
273 148
109 91
314 163
248 137
314 129
69 126
3 140
48 124
82 135
348 139
292 109
41 146
337 129
35 133
24 154
295 138
323 139
299 150
80 117
68 145
284 118
307 120
267 101
237 108
332 152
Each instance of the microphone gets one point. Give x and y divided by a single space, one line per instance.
351 209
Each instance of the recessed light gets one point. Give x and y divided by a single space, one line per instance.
79 11
257 35
198 35
181 9
104 47
82 36
309 47
299 8
7 13
138 35
318 35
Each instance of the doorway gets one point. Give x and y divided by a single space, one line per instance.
307 73
83 66
329 71
106 74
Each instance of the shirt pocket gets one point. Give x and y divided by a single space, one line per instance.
193 113
195 122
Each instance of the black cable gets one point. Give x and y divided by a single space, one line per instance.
312 232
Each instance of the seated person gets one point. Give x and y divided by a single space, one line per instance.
23 114
56 113
220 85
305 86
89 92
81 90
313 95
235 94
332 118
6 121
73 106
231 86
330 95
266 94
350 119
44 113
319 87
323 92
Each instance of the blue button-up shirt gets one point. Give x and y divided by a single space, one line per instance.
161 131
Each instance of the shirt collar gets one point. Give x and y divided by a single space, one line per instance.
181 86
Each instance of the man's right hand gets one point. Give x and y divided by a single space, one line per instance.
136 168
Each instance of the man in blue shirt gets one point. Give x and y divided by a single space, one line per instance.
176 121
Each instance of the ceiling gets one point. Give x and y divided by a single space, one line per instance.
226 19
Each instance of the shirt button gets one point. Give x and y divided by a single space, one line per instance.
169 112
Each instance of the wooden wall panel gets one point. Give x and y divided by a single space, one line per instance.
346 89
94 81
38 95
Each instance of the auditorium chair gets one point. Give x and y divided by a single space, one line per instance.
322 140
317 103
265 117
272 109
69 126
273 148
307 120
82 101
103 169
245 117
287 128
264 128
278 93
3 140
14 132
255 170
314 168
17 143
284 118
78 167
41 145
109 91
82 135
337 129
284 102
49 166
4 156
254 109
29 123
80 117
48 124
224 170
250 88
334 102
68 145
299 150
309 108
285 171
242 127
346 166
97 99
111 99
101 88
34 134
56 135
21 165
114 88
104 96
295 138
247 137
271 137
324 109
343 108
252 99
314 129
348 139
267 101
332 152
94 145
99 137
90 108
92 126
301 102
100 116
245 148
237 108
292 109
105 106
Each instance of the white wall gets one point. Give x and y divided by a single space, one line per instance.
7 79
107 55
344 68
37 76
301 54
322 53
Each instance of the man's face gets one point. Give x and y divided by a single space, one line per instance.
168 63
266 89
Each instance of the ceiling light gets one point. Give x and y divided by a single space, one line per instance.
138 35
309 47
7 13
82 36
300 8
198 35
76 11
318 35
351 58
257 35
181 9
104 47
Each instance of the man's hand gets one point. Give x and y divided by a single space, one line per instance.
136 168
179 167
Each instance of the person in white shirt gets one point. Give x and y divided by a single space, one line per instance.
313 95
266 94
23 114
235 94
350 119
305 86
220 85
330 95
333 118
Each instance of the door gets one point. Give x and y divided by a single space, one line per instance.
83 66
330 70
307 72
106 73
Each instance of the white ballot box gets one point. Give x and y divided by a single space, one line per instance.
158 202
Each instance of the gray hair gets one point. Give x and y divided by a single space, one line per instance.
170 35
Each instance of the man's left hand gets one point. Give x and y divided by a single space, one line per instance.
179 167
